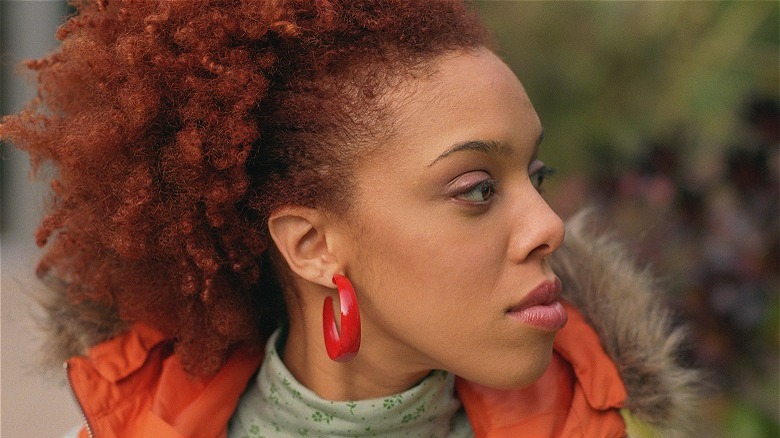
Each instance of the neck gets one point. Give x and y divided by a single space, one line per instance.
377 371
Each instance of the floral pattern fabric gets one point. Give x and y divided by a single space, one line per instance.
277 405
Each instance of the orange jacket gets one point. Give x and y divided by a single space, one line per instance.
133 386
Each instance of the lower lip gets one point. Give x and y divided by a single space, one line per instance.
546 317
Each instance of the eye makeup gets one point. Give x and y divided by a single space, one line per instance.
480 193
469 182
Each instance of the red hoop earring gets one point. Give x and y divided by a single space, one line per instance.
343 347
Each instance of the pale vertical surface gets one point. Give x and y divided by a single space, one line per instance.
32 405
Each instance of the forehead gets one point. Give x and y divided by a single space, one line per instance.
469 96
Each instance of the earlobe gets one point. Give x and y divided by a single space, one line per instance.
301 237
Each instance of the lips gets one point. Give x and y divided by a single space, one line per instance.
541 308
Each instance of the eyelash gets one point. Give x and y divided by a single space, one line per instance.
538 177
488 184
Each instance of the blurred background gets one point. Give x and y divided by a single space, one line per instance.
663 116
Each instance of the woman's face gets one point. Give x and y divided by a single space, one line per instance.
449 237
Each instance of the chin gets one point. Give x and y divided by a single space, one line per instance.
517 374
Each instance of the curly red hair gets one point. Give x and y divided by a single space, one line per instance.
175 128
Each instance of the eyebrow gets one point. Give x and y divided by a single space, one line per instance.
488 147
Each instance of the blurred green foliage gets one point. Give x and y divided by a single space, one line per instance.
607 76
742 420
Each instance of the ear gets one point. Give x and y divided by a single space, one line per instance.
302 237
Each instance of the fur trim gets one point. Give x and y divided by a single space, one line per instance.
69 329
625 307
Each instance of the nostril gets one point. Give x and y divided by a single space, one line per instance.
542 250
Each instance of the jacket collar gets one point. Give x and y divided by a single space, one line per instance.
578 395
133 385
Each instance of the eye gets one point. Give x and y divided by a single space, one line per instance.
538 172
481 192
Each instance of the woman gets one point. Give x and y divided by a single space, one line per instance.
308 217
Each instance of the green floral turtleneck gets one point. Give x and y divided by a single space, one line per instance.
277 405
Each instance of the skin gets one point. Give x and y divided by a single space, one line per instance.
437 252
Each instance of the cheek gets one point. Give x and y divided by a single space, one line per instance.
430 259
427 281
441 299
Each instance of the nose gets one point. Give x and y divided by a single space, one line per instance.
538 231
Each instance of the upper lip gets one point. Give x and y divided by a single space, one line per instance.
545 293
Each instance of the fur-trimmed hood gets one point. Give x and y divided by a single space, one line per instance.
621 302
626 307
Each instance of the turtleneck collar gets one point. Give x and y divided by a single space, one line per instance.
276 404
